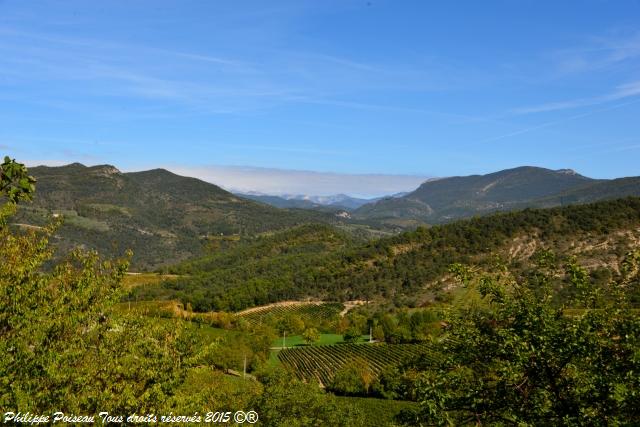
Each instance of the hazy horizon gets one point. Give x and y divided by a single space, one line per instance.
280 182
292 182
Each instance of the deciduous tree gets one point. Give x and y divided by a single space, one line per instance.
311 335
521 360
63 345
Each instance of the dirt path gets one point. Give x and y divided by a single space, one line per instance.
350 305
240 374
27 226
162 276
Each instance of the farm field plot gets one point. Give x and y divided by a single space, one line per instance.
315 312
320 363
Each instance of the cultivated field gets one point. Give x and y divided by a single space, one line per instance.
320 363
309 311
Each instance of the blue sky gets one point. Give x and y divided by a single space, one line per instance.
408 88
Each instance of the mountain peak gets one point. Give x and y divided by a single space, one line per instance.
106 170
463 196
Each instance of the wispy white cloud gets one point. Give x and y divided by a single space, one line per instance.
195 82
598 53
622 148
102 69
114 47
626 90
557 122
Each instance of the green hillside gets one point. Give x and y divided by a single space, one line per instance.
267 269
447 199
162 216
409 269
604 189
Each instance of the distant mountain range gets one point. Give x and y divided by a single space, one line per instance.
441 200
334 202
446 199
162 216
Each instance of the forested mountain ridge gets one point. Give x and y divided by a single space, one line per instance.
254 272
166 218
442 200
162 216
409 269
